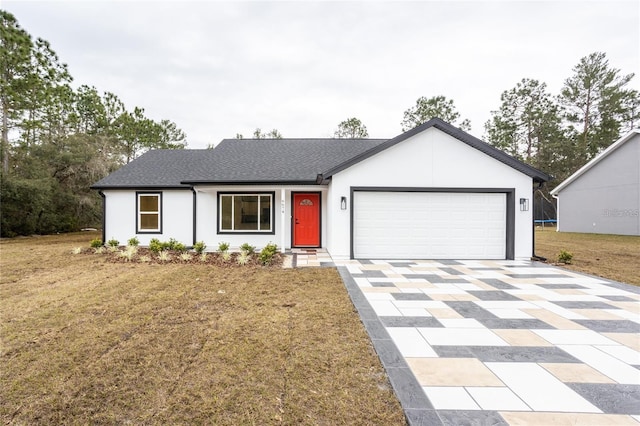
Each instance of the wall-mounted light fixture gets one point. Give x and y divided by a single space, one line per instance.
524 204
343 203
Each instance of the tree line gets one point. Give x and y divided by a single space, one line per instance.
56 140
558 133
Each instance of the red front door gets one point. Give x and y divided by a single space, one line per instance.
306 220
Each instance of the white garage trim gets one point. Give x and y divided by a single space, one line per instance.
505 248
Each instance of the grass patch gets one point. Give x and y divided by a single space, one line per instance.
85 341
616 257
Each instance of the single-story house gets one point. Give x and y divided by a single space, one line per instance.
434 192
603 196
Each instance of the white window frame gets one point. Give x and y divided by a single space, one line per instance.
139 213
232 195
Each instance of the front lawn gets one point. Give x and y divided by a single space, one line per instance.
616 257
85 341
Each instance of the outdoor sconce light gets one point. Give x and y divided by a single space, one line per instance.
524 204
343 203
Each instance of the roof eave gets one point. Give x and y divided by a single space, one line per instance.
140 187
251 182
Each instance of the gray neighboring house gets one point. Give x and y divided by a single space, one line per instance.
603 197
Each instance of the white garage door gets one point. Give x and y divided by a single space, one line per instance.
429 225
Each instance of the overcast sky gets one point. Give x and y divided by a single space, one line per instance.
221 68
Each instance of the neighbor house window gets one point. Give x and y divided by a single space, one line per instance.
149 206
245 213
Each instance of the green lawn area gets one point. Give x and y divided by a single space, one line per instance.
85 341
616 257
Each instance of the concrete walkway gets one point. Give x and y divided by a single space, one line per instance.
501 342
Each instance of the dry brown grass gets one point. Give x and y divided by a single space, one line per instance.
90 342
616 257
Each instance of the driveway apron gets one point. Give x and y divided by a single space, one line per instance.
501 342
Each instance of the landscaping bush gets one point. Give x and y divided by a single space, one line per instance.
129 253
267 253
223 247
95 243
247 248
177 246
199 247
155 245
164 256
169 245
113 242
133 242
565 257
243 258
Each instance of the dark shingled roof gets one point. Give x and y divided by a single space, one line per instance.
161 168
237 161
276 161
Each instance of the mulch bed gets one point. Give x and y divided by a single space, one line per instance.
144 255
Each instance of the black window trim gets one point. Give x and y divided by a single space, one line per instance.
160 214
219 229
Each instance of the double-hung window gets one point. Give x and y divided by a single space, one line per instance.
149 206
245 212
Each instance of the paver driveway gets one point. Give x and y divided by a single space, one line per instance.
502 342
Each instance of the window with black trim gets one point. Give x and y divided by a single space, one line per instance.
149 207
245 213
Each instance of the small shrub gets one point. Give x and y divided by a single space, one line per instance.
223 247
565 257
145 259
113 242
98 250
185 256
179 247
267 253
199 247
164 256
247 248
128 254
204 257
133 242
155 245
243 258
77 250
226 256
113 249
171 244
95 243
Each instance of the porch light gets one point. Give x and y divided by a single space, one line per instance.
343 203
524 204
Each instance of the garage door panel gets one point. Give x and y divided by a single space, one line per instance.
429 225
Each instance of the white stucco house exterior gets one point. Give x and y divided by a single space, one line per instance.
603 196
434 192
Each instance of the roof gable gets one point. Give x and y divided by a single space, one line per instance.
600 157
462 136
